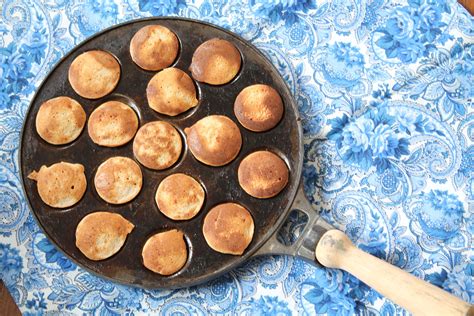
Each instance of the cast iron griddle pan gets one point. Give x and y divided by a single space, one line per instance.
220 183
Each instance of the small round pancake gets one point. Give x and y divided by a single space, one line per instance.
112 124
171 92
165 253
157 145
263 174
214 140
118 180
154 47
215 62
60 185
60 120
179 197
228 228
258 108
100 235
94 74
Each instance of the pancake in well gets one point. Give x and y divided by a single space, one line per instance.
228 228
263 174
112 124
157 145
165 253
214 140
100 235
216 62
154 47
60 120
179 197
60 185
118 180
171 92
258 108
94 74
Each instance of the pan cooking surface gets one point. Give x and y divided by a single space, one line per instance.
220 183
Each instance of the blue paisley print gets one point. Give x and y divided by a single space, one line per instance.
385 95
15 73
52 255
11 264
411 31
161 8
372 139
278 10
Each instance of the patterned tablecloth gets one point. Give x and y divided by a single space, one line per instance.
385 91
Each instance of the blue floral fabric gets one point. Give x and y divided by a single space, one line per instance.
385 92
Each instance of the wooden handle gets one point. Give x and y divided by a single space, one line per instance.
335 250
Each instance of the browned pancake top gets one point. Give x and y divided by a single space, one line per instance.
165 253
94 74
258 107
60 120
157 145
171 92
118 180
214 140
216 62
100 235
228 228
60 185
154 47
112 124
179 197
263 174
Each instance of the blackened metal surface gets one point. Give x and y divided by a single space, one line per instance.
220 183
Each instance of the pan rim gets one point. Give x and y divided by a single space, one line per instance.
265 237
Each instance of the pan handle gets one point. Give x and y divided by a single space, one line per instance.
333 249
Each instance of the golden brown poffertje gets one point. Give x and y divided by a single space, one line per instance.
165 253
112 124
215 62
263 174
258 108
154 47
228 228
214 140
60 185
100 235
118 180
94 74
157 145
60 120
179 196
171 92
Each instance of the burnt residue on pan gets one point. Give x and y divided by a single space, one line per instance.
220 183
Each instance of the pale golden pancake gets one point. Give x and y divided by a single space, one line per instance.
157 145
216 62
100 235
112 124
171 92
165 253
118 180
263 174
154 47
94 74
214 140
60 185
60 120
179 196
258 108
228 228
